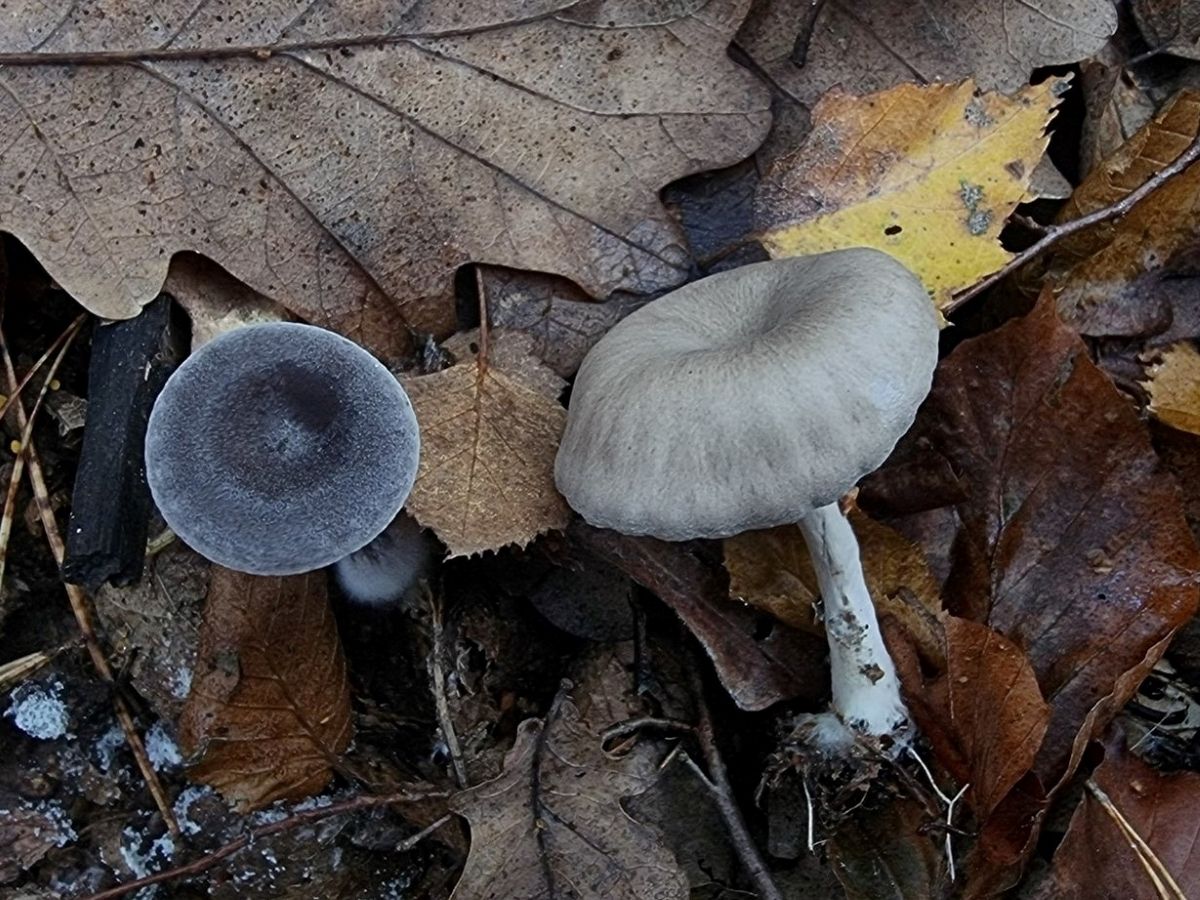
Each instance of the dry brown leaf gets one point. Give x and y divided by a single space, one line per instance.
345 160
552 824
214 300
983 714
1117 102
758 666
1175 388
885 852
1093 264
808 49
772 570
926 174
268 715
489 433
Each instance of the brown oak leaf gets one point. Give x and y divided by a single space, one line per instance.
345 160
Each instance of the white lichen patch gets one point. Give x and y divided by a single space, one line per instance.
182 807
161 748
39 711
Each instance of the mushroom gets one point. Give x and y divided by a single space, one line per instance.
385 571
754 398
280 448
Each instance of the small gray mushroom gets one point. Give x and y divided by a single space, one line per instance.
280 448
754 398
385 571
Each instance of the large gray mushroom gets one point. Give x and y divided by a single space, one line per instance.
758 397
280 448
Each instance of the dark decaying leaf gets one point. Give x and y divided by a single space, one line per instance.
882 853
756 670
1071 542
349 183
552 824
28 831
1170 25
268 715
563 322
1097 857
155 624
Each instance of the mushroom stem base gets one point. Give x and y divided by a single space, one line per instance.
866 691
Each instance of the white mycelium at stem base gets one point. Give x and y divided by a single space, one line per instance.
866 692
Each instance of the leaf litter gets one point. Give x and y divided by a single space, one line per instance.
1030 554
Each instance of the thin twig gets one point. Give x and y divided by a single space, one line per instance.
1164 882
437 674
81 607
63 343
646 723
722 791
484 327
412 840
1055 233
295 820
23 666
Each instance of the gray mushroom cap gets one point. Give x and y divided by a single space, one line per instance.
280 448
749 398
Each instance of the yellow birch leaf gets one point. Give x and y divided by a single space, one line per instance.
490 429
1175 388
927 173
772 571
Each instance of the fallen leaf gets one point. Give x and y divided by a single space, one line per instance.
490 429
563 322
345 162
154 625
1071 542
1116 100
807 49
984 715
214 300
1091 266
552 824
772 571
1170 25
1175 388
28 831
1159 807
926 174
758 667
268 715
884 852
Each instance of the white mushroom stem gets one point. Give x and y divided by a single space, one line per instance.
866 692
